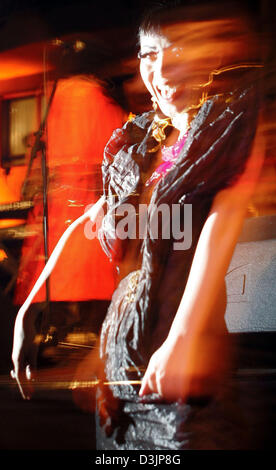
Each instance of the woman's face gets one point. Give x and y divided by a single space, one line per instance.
158 71
175 63
168 71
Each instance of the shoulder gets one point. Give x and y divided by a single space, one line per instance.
132 132
228 106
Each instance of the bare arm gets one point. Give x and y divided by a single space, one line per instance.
24 350
176 368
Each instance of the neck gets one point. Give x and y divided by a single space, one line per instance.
181 122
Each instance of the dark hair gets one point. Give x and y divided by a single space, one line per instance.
161 13
238 66
156 15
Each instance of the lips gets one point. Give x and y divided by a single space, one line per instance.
168 93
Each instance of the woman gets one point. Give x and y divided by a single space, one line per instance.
165 380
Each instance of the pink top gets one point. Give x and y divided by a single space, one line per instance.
169 156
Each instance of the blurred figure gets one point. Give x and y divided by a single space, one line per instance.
80 121
166 367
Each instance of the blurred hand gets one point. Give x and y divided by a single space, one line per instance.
24 354
185 367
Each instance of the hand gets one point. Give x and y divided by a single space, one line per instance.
185 367
24 355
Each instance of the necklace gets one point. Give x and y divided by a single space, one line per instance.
158 127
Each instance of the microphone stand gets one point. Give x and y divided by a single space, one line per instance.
40 146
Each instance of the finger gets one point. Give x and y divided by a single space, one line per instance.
145 389
27 382
30 373
24 392
32 362
147 386
159 388
16 374
24 384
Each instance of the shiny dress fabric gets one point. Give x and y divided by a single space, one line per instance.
146 299
211 424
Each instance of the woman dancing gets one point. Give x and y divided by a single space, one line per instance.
166 374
